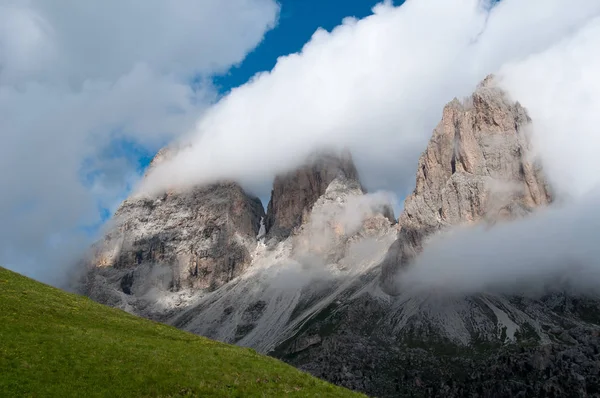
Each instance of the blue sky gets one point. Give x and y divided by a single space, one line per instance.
298 20
133 154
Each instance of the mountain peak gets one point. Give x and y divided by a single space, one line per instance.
477 167
199 238
295 192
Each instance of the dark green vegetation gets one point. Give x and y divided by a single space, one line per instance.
356 350
58 344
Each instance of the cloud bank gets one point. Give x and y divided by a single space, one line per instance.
80 80
554 249
376 86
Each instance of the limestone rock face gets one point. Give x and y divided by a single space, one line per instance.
344 236
294 193
477 167
197 239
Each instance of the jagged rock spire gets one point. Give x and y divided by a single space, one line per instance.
295 192
477 167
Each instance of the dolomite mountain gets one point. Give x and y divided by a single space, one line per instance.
476 168
319 290
194 240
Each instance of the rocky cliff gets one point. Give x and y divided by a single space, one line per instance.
477 167
344 235
294 193
198 239
160 253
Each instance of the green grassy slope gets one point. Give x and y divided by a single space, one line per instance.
54 343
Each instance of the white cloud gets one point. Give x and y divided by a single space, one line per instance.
560 88
74 78
76 41
557 247
377 86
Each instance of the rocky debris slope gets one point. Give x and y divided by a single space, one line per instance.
295 192
477 167
355 347
194 240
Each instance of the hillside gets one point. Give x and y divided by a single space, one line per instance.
59 344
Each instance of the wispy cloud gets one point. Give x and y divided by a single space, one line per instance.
75 77
376 85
